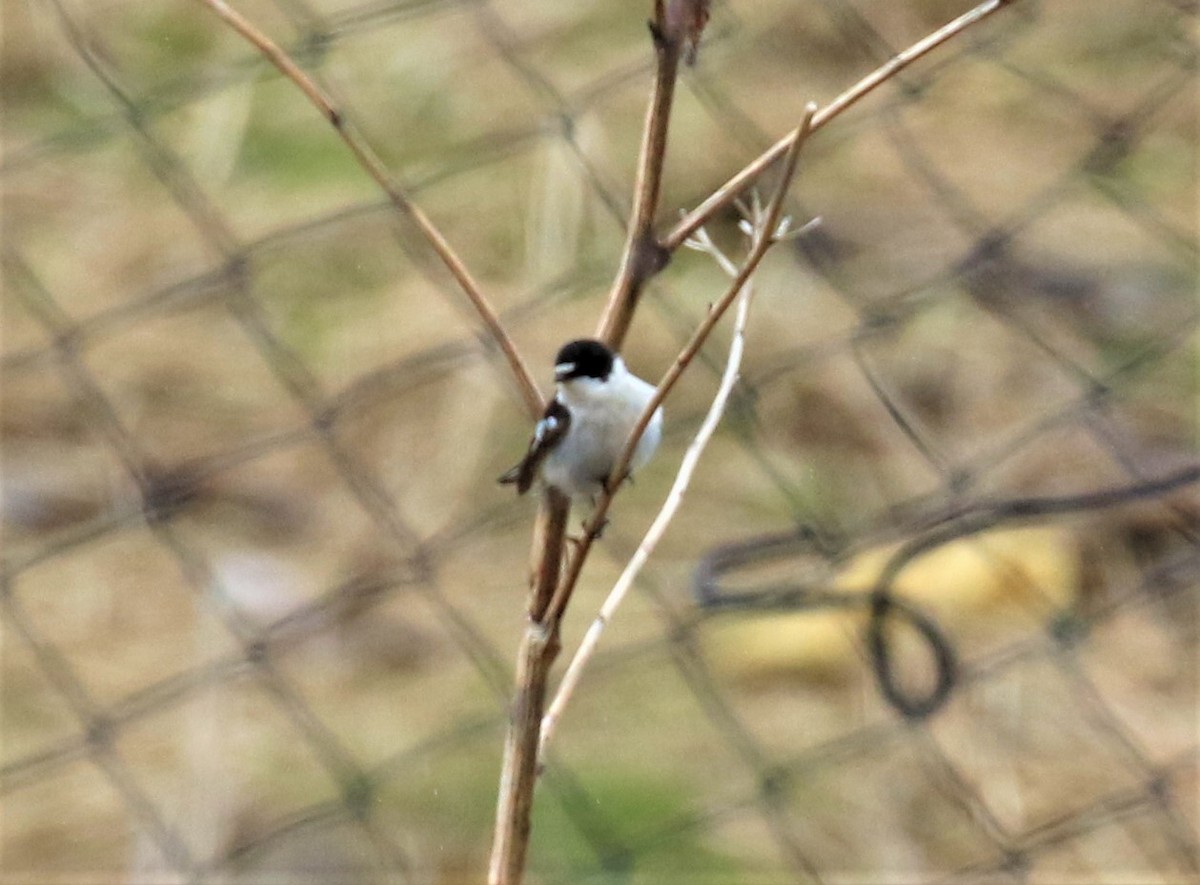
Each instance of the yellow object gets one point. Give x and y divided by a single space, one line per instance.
996 582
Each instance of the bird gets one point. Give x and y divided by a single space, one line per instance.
584 430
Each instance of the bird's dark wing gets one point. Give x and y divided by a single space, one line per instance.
548 433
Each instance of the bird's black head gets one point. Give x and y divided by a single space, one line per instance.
584 358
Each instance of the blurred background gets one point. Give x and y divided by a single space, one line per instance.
260 592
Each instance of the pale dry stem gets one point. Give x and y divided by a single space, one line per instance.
539 647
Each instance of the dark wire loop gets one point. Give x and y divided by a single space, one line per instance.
882 604
913 705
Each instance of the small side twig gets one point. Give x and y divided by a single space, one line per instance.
373 165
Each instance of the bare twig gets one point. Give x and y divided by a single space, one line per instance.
373 165
666 514
514 808
642 258
727 192
538 651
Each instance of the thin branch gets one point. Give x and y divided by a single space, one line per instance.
727 192
373 165
642 257
666 514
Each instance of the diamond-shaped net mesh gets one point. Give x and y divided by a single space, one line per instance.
260 593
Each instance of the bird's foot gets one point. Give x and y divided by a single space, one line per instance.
598 531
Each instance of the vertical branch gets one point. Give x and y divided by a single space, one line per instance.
642 257
514 808
538 651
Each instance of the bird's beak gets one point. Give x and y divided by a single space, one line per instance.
563 371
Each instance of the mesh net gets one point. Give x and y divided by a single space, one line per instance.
259 594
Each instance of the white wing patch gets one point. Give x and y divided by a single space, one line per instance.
544 427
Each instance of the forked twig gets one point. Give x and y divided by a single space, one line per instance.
373 165
675 25
644 255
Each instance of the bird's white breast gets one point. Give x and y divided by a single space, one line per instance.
603 414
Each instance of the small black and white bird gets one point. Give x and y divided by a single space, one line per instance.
585 427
